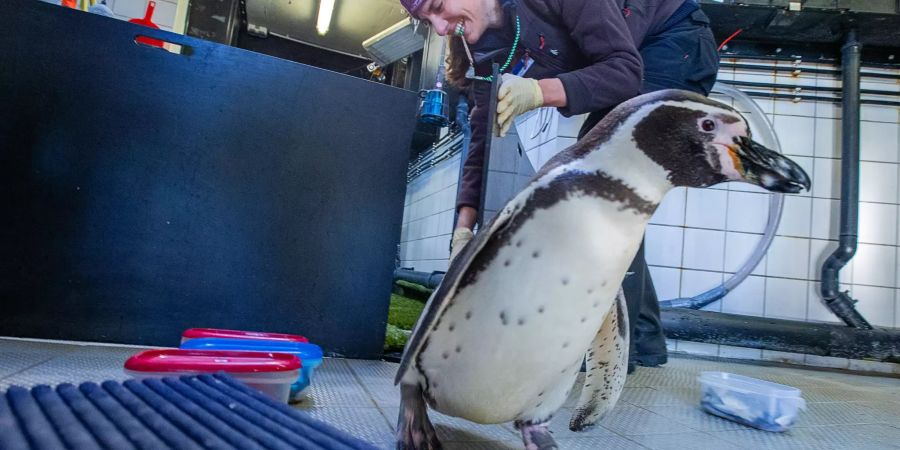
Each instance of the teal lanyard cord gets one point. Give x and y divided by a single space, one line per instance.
509 58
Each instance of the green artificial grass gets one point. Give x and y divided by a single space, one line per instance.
395 339
402 317
404 312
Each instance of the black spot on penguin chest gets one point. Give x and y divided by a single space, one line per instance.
621 320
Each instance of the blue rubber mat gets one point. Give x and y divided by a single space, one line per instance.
202 412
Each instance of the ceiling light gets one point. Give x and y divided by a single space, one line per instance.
326 7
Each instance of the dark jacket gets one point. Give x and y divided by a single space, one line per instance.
588 44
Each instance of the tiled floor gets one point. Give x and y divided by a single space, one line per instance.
658 410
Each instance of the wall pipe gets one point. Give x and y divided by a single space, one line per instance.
787 68
781 335
812 98
429 280
840 302
802 87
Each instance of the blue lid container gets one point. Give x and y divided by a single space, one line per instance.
310 355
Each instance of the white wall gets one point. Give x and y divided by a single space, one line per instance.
698 237
428 218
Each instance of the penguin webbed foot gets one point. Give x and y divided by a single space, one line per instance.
414 429
536 436
583 422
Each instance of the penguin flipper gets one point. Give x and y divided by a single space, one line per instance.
439 299
607 365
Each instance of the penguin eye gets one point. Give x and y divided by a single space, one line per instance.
708 125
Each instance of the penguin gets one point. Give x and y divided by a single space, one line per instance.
536 292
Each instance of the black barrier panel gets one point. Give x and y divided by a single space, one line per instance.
145 192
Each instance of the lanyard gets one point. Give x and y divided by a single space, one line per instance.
471 72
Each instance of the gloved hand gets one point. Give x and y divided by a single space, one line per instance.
461 237
517 96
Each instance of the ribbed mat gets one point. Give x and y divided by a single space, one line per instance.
196 412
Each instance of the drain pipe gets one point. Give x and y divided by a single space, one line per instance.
840 302
430 280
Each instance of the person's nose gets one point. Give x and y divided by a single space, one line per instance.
440 25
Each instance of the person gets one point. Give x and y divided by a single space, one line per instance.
580 56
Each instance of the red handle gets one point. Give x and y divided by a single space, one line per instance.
151 5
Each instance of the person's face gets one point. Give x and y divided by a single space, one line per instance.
448 16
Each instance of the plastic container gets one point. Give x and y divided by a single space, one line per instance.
309 354
195 333
271 373
756 403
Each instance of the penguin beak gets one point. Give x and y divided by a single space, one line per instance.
769 169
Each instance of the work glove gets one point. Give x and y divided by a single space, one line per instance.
461 237
517 96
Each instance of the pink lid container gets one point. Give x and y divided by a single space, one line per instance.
194 333
270 373
211 361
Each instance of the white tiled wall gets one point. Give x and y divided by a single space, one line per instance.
698 237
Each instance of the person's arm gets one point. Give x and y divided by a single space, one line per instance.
599 30
554 92
473 167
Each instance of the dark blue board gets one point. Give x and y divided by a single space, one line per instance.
145 192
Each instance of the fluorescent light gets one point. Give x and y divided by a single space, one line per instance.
326 7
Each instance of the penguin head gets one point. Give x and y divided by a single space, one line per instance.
702 142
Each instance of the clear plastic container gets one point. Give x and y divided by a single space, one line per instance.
270 373
756 403
310 355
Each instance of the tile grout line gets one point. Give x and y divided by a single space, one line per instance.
6 377
633 441
371 397
691 269
760 233
897 251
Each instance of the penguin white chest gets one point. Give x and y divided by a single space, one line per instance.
512 340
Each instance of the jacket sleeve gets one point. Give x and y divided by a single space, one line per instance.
614 74
470 185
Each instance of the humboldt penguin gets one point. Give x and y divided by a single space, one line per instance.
536 292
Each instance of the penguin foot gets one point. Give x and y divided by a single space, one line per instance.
414 429
536 437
